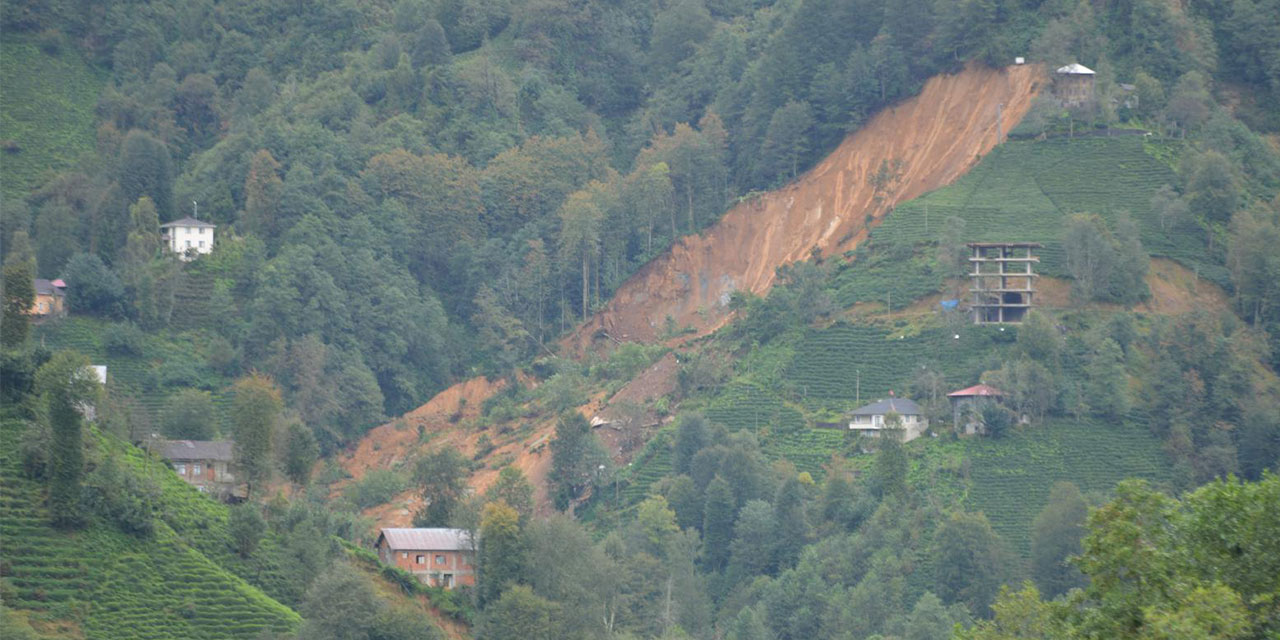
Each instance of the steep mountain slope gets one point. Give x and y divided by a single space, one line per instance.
933 139
99 582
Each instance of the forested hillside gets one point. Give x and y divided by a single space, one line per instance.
414 194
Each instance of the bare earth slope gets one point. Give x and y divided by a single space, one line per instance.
937 136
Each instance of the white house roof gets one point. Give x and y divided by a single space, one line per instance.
188 222
427 539
1075 69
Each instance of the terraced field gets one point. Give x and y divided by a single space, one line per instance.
831 364
115 585
138 380
1024 191
1009 480
46 111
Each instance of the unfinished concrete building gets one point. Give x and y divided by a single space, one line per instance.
1003 281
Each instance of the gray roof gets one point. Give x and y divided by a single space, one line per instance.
900 406
427 539
198 450
188 222
45 287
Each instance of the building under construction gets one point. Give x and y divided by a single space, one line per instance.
1003 280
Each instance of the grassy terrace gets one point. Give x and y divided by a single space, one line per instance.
46 111
113 585
1025 191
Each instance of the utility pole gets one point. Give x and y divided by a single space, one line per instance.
857 388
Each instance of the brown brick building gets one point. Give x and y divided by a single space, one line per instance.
203 463
438 557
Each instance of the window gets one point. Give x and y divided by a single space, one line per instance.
180 468
202 230
404 554
202 242
195 469
420 560
188 244
448 580
439 559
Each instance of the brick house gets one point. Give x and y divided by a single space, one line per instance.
50 298
438 557
203 463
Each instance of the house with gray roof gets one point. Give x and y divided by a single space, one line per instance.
203 463
870 419
439 557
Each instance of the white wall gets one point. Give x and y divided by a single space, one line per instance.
183 238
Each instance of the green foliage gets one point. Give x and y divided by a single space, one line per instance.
576 458
1055 539
1159 567
300 453
163 584
254 412
246 526
441 476
501 558
189 416
92 287
19 297
64 384
46 110
972 562
375 487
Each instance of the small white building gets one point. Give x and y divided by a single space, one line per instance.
188 237
870 419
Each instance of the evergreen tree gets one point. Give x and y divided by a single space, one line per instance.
717 524
1055 537
575 456
301 452
891 460
442 477
501 555
65 384
793 525
971 562
147 170
254 412
19 298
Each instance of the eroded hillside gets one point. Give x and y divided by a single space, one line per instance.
931 139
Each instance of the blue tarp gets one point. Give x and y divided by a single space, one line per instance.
949 305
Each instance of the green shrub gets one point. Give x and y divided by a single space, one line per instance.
375 488
123 339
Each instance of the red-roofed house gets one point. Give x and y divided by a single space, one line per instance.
967 404
438 557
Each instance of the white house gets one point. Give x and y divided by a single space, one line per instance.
188 236
870 419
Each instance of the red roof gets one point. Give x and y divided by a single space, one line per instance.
976 390
59 283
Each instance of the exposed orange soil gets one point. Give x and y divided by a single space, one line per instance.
937 136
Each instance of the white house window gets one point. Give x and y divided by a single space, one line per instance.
202 242
188 244
195 469
181 468
202 230
404 554
420 560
